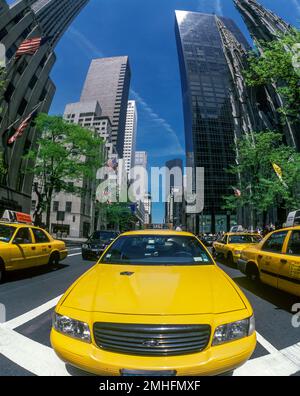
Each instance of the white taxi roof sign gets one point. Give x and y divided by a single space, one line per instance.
10 216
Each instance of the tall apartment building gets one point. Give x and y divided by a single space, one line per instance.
76 215
28 84
209 123
130 135
108 82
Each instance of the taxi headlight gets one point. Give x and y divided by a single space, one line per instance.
234 331
237 252
72 328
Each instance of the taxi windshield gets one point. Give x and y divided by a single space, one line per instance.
157 250
6 233
244 239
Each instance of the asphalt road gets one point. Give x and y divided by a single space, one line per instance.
30 297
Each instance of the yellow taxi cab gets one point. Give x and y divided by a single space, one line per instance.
231 245
156 303
275 260
22 246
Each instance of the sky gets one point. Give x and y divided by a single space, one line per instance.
144 30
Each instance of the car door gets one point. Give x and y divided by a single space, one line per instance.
43 246
23 251
219 245
269 257
289 266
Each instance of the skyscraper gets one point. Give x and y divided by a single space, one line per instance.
108 82
141 159
263 24
130 135
266 26
28 84
174 191
209 123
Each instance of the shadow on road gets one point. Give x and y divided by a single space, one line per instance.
281 299
32 272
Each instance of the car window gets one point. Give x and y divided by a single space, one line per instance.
157 250
294 244
103 236
40 236
244 239
23 236
275 242
6 233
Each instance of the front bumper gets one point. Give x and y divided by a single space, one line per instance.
212 361
242 265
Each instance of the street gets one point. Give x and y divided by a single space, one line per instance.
30 297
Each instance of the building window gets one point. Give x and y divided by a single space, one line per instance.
55 206
68 207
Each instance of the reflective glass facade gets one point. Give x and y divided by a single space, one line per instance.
207 108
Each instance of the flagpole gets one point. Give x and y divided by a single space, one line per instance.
20 118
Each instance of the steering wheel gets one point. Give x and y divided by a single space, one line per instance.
183 254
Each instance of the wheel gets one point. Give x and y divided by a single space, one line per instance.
230 259
252 272
54 259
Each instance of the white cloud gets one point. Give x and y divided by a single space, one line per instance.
211 6
297 5
85 44
173 145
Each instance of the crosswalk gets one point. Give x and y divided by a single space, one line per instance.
40 359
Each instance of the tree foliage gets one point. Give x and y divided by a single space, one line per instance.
279 64
119 215
64 154
261 189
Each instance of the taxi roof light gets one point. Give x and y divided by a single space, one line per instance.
10 216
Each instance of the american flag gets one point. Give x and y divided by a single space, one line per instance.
19 132
112 163
30 46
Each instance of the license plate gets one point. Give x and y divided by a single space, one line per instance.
147 373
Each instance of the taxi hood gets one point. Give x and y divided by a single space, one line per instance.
155 290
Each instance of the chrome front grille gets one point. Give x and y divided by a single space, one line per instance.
151 340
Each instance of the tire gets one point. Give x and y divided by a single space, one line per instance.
54 259
230 259
2 272
252 272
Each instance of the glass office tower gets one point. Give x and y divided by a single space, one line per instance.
209 131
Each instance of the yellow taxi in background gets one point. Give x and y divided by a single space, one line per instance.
275 260
231 245
155 304
23 246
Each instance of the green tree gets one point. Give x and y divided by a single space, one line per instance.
261 189
64 154
279 65
119 215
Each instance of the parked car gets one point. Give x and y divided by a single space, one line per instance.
275 260
232 244
97 243
24 246
156 303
